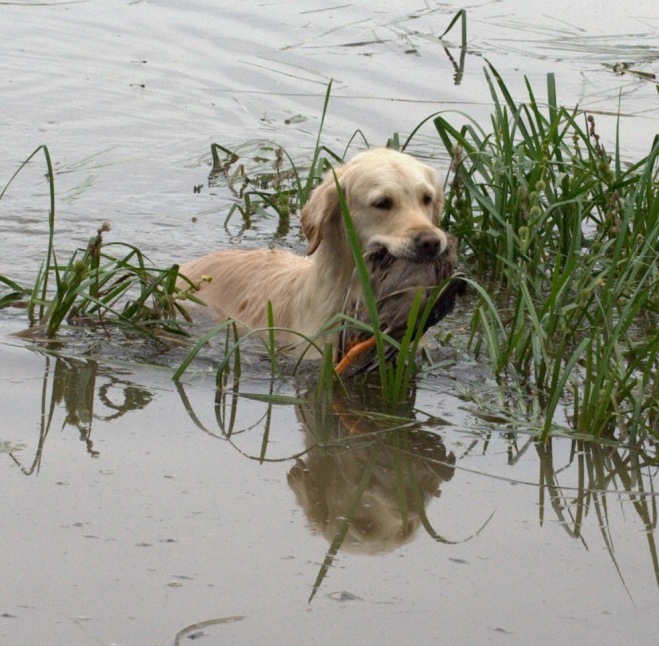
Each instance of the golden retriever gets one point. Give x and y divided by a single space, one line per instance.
395 202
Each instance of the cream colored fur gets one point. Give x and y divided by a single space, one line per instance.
394 200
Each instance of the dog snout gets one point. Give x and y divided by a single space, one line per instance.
428 245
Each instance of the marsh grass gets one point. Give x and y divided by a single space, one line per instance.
561 240
98 287
459 66
102 284
565 235
265 178
13 293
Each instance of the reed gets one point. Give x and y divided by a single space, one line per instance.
564 236
95 286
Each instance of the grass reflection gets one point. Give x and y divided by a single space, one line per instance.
369 468
601 472
79 391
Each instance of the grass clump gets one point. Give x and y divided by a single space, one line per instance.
96 286
281 190
566 238
561 240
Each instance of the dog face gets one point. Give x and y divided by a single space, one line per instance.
395 202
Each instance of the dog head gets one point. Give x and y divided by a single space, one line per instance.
394 200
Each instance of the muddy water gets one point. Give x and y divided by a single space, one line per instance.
137 512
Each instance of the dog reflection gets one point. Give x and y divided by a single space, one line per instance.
376 480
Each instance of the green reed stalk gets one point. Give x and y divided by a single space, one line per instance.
41 285
364 280
567 237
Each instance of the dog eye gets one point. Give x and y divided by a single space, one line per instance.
384 204
427 199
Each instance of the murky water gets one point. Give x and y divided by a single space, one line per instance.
136 512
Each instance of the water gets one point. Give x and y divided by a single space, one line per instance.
136 512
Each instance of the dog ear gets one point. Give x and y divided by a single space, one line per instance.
322 211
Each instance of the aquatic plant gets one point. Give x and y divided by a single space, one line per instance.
275 184
95 286
565 235
561 241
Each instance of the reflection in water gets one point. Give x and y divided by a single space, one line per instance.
368 470
368 474
196 630
601 472
80 387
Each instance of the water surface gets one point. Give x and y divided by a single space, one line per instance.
139 512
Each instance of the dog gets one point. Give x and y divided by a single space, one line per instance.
395 203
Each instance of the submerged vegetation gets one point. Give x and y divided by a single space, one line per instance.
558 236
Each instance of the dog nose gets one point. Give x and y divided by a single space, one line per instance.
427 245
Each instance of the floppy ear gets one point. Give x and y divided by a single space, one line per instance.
322 211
